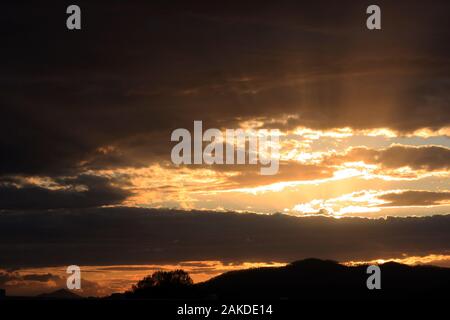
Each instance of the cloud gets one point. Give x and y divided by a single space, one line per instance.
40 277
371 201
5 277
30 283
397 162
109 236
250 176
22 282
427 158
167 185
169 63
415 198
80 192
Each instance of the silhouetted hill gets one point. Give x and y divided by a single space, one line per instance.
59 294
318 279
314 279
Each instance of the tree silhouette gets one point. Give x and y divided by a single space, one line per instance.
163 283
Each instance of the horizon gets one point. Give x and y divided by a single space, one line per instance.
128 280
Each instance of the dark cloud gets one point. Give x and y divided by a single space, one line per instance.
6 277
31 284
415 198
40 277
288 171
80 192
250 175
132 236
137 71
427 158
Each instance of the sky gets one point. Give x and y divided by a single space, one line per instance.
86 175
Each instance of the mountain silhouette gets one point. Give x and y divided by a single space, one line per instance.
59 294
319 279
314 279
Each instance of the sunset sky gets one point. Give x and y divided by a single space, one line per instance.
86 176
